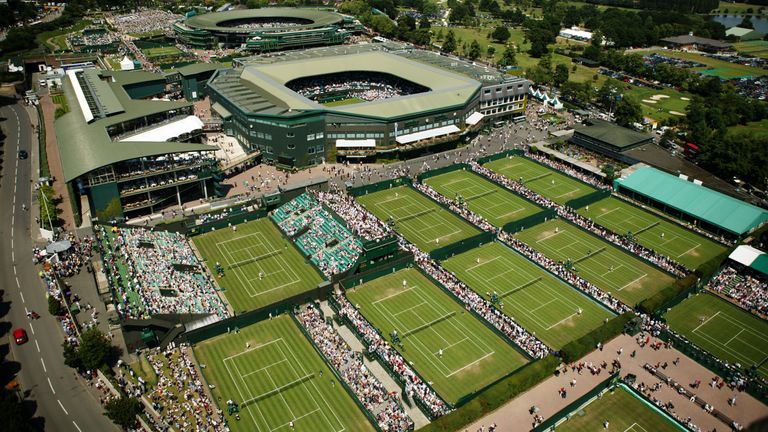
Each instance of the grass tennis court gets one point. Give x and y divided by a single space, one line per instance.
342 102
161 51
726 331
419 219
446 344
498 205
683 246
613 270
558 187
260 266
278 380
544 305
624 413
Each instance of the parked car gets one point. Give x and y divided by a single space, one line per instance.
20 336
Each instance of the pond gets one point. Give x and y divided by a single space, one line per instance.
760 23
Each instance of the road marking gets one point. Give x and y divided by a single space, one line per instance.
78 427
22 296
38 346
13 256
51 386
33 329
17 282
62 407
45 369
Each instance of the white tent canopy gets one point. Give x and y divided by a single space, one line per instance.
126 64
745 254
346 143
475 118
168 132
430 133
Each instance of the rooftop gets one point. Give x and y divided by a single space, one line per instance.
84 147
612 134
212 21
690 40
723 211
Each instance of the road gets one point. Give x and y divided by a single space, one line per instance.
62 399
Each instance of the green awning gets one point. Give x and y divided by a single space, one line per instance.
760 264
221 111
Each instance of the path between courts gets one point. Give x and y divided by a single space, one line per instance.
514 414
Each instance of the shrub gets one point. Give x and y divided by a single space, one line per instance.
580 347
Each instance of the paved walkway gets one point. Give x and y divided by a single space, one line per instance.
54 163
515 415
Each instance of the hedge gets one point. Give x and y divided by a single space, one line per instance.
580 347
496 396
663 297
706 269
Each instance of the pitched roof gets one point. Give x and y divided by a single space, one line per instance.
612 134
690 40
723 211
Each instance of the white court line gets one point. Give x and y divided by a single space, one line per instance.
631 282
689 250
708 320
395 294
549 236
252 348
561 321
483 263
261 369
734 337
470 364
543 305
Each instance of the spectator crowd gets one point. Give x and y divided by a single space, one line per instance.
745 290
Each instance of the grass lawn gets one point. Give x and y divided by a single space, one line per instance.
278 380
161 51
678 243
724 69
498 205
623 410
726 331
419 219
662 108
260 266
759 128
756 48
625 276
348 101
446 344
737 8
61 101
541 303
558 187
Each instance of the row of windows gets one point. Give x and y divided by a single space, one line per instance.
509 88
312 137
503 109
427 127
357 135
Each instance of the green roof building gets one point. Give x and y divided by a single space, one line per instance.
131 156
692 202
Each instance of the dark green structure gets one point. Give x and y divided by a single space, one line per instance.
267 29
130 156
192 79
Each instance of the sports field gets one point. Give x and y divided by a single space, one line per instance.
260 267
419 219
342 102
278 380
726 331
651 231
161 51
555 312
446 344
613 270
624 413
755 48
558 187
496 204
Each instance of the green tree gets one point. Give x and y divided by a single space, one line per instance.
95 350
609 92
48 210
123 411
449 45
54 306
71 356
560 75
501 34
628 111
424 23
747 22
508 58
474 50
491 51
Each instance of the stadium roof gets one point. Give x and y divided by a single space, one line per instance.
751 257
213 21
84 147
727 213
446 88
197 68
612 134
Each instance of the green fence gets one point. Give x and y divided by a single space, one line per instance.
377 272
380 186
502 155
235 218
341 380
321 292
461 246
588 199
670 296
529 221
565 413
443 170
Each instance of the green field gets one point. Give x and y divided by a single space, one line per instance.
165 51
651 231
342 102
558 187
544 305
419 219
61 101
724 69
260 267
278 380
446 344
726 331
755 48
758 128
660 108
625 276
496 204
624 412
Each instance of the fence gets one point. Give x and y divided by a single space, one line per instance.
377 272
565 413
443 170
497 156
234 219
529 221
588 199
380 186
460 246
